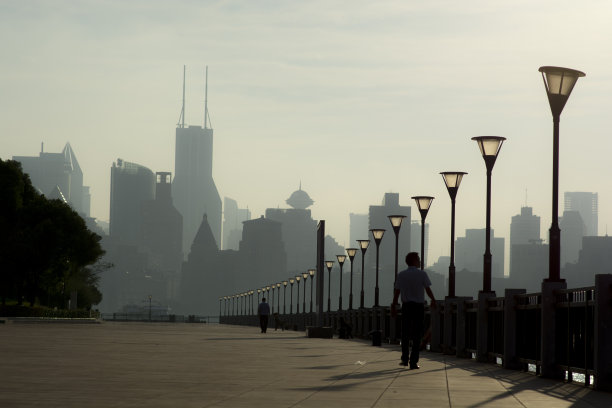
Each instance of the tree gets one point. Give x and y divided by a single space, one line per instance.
46 245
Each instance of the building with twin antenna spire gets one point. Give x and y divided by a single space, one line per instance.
193 189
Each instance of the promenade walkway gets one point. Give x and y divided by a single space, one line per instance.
208 365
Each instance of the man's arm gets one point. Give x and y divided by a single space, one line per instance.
431 296
396 294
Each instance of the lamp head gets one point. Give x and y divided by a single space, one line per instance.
396 222
423 203
377 233
559 83
489 148
311 272
452 179
341 259
363 244
329 264
351 253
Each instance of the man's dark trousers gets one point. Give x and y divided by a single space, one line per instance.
263 323
413 315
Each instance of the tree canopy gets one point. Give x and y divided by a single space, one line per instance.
46 250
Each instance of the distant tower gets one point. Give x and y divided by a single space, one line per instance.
586 205
131 186
194 190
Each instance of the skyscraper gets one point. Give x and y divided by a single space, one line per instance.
194 190
586 205
131 186
233 217
524 230
469 251
50 172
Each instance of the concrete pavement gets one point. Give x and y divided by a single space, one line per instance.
209 365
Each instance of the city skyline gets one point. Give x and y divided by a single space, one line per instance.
354 102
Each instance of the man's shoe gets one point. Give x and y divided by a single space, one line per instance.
414 366
403 363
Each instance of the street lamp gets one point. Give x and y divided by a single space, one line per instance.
396 223
363 244
304 276
330 265
377 233
489 147
258 292
341 259
297 304
291 281
351 254
278 285
423 204
452 179
559 83
285 297
311 272
252 292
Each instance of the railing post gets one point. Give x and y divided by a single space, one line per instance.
482 325
603 332
461 325
434 315
510 360
447 343
549 330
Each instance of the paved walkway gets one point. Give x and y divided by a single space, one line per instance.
199 365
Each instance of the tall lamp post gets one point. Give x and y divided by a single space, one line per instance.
150 297
396 223
258 292
559 83
278 286
285 296
341 259
452 179
311 272
304 276
423 204
351 254
291 281
377 233
330 265
489 147
363 244
297 304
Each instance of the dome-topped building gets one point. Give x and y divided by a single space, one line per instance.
300 200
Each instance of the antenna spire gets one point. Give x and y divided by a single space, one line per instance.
181 122
206 115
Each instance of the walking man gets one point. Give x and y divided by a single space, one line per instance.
410 284
263 311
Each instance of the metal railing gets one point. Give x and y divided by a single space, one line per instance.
512 333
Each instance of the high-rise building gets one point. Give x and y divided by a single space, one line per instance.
298 231
131 186
233 217
358 224
469 252
50 172
162 234
524 229
415 240
586 205
529 265
194 190
572 230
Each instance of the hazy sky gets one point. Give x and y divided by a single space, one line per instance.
352 98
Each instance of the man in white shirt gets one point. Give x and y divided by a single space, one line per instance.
263 311
410 284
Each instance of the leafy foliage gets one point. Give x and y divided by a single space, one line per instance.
45 246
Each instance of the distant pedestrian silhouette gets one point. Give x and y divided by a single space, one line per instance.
263 311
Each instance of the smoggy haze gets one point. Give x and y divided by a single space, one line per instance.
353 99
